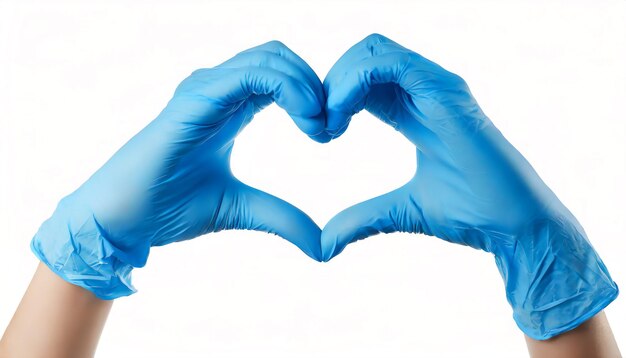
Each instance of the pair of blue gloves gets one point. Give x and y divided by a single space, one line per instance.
172 181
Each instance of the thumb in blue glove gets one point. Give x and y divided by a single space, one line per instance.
471 187
172 181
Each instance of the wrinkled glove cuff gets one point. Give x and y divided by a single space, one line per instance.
82 255
554 278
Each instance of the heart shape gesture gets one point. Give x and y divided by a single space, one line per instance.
172 181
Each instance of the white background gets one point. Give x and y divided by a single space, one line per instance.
77 80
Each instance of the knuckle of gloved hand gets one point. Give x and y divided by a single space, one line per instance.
446 81
197 78
183 87
456 80
374 38
276 45
198 72
405 59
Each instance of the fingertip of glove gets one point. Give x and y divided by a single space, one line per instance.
322 137
328 245
327 256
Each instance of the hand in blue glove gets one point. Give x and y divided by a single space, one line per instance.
172 181
471 187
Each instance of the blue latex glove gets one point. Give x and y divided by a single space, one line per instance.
172 181
471 187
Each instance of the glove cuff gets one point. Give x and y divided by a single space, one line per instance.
554 278
79 252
